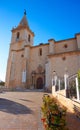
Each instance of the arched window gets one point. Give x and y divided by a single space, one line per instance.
29 38
18 35
40 51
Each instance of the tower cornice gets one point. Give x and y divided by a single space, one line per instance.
22 27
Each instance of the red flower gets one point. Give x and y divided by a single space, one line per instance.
52 120
45 125
43 119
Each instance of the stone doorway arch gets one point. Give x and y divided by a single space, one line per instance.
39 83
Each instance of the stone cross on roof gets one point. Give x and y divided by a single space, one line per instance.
24 20
24 12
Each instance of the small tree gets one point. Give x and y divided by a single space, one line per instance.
2 83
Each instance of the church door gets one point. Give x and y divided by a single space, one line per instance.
39 83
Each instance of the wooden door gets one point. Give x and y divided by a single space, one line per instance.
39 83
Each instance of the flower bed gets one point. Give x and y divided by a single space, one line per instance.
53 114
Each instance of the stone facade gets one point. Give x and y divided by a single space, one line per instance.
32 66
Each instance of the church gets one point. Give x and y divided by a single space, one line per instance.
32 66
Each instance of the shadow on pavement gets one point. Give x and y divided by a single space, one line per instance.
73 123
9 106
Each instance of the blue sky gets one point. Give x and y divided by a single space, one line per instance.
58 19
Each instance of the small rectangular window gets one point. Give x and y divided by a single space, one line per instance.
40 51
18 35
29 38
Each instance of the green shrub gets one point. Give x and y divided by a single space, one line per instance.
53 114
2 83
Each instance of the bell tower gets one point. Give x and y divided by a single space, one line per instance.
22 33
19 54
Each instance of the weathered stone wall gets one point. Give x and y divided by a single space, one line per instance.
58 64
66 46
37 60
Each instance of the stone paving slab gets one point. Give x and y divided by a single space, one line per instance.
20 110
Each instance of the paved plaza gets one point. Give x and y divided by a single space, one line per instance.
20 110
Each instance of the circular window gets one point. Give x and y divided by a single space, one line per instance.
65 46
64 58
